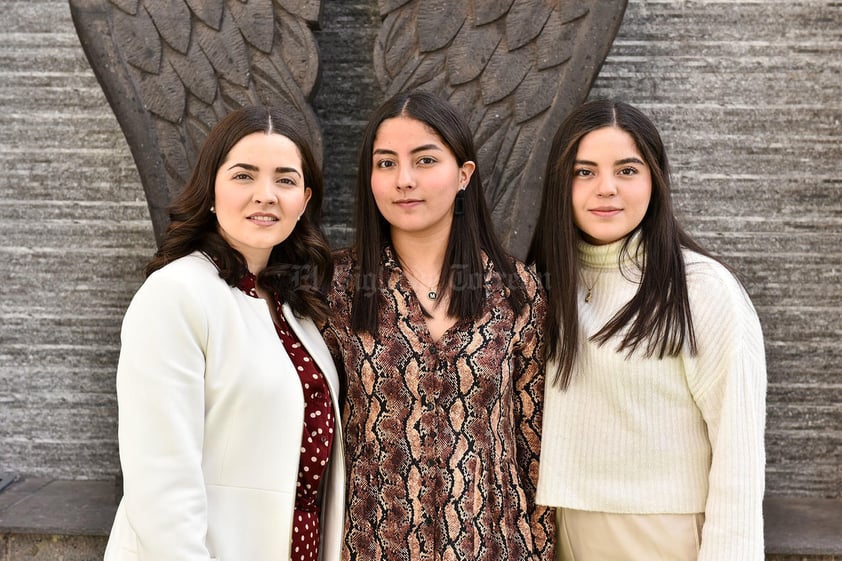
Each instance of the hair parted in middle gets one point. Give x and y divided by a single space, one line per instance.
471 231
300 268
658 316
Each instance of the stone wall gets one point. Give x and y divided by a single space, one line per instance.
746 93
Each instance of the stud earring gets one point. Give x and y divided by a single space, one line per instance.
213 209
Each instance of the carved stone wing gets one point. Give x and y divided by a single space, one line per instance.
171 69
515 68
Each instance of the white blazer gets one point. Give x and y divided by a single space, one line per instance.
211 414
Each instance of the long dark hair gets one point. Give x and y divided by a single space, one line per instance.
658 315
299 268
470 234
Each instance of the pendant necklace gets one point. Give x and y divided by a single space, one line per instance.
591 286
432 294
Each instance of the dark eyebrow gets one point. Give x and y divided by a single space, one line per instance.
423 148
287 170
631 160
281 169
426 147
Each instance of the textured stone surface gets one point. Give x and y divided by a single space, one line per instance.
746 94
348 31
799 526
37 547
61 507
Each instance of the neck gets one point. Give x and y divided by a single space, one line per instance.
255 262
424 254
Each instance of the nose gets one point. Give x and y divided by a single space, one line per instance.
606 187
264 191
405 178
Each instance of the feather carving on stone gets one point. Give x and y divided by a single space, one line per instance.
514 68
171 69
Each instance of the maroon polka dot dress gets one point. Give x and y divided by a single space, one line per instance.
316 441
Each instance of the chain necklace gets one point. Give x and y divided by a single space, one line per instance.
591 286
432 293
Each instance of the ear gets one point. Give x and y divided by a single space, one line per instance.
307 194
465 173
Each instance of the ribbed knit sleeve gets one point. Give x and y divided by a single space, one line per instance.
728 381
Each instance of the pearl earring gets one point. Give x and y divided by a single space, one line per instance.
213 209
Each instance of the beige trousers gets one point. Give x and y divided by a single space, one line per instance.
604 536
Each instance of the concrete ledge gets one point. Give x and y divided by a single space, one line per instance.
36 547
803 526
68 516
58 507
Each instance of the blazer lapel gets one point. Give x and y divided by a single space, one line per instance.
312 340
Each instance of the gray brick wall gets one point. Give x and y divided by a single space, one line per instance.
746 93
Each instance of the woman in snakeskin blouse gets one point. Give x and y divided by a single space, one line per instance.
438 331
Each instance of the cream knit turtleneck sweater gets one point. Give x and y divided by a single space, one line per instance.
677 435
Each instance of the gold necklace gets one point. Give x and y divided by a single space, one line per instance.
432 294
591 286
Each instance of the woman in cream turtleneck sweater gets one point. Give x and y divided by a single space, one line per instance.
652 443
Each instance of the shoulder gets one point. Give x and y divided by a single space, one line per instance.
527 277
344 261
341 291
185 293
704 273
527 273
187 269
194 263
183 278
712 285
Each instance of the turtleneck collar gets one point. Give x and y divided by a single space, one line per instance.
608 256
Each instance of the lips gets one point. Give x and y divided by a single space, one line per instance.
408 202
605 211
263 218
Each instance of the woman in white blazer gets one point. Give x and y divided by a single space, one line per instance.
229 432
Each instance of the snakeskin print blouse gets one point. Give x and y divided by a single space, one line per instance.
442 437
